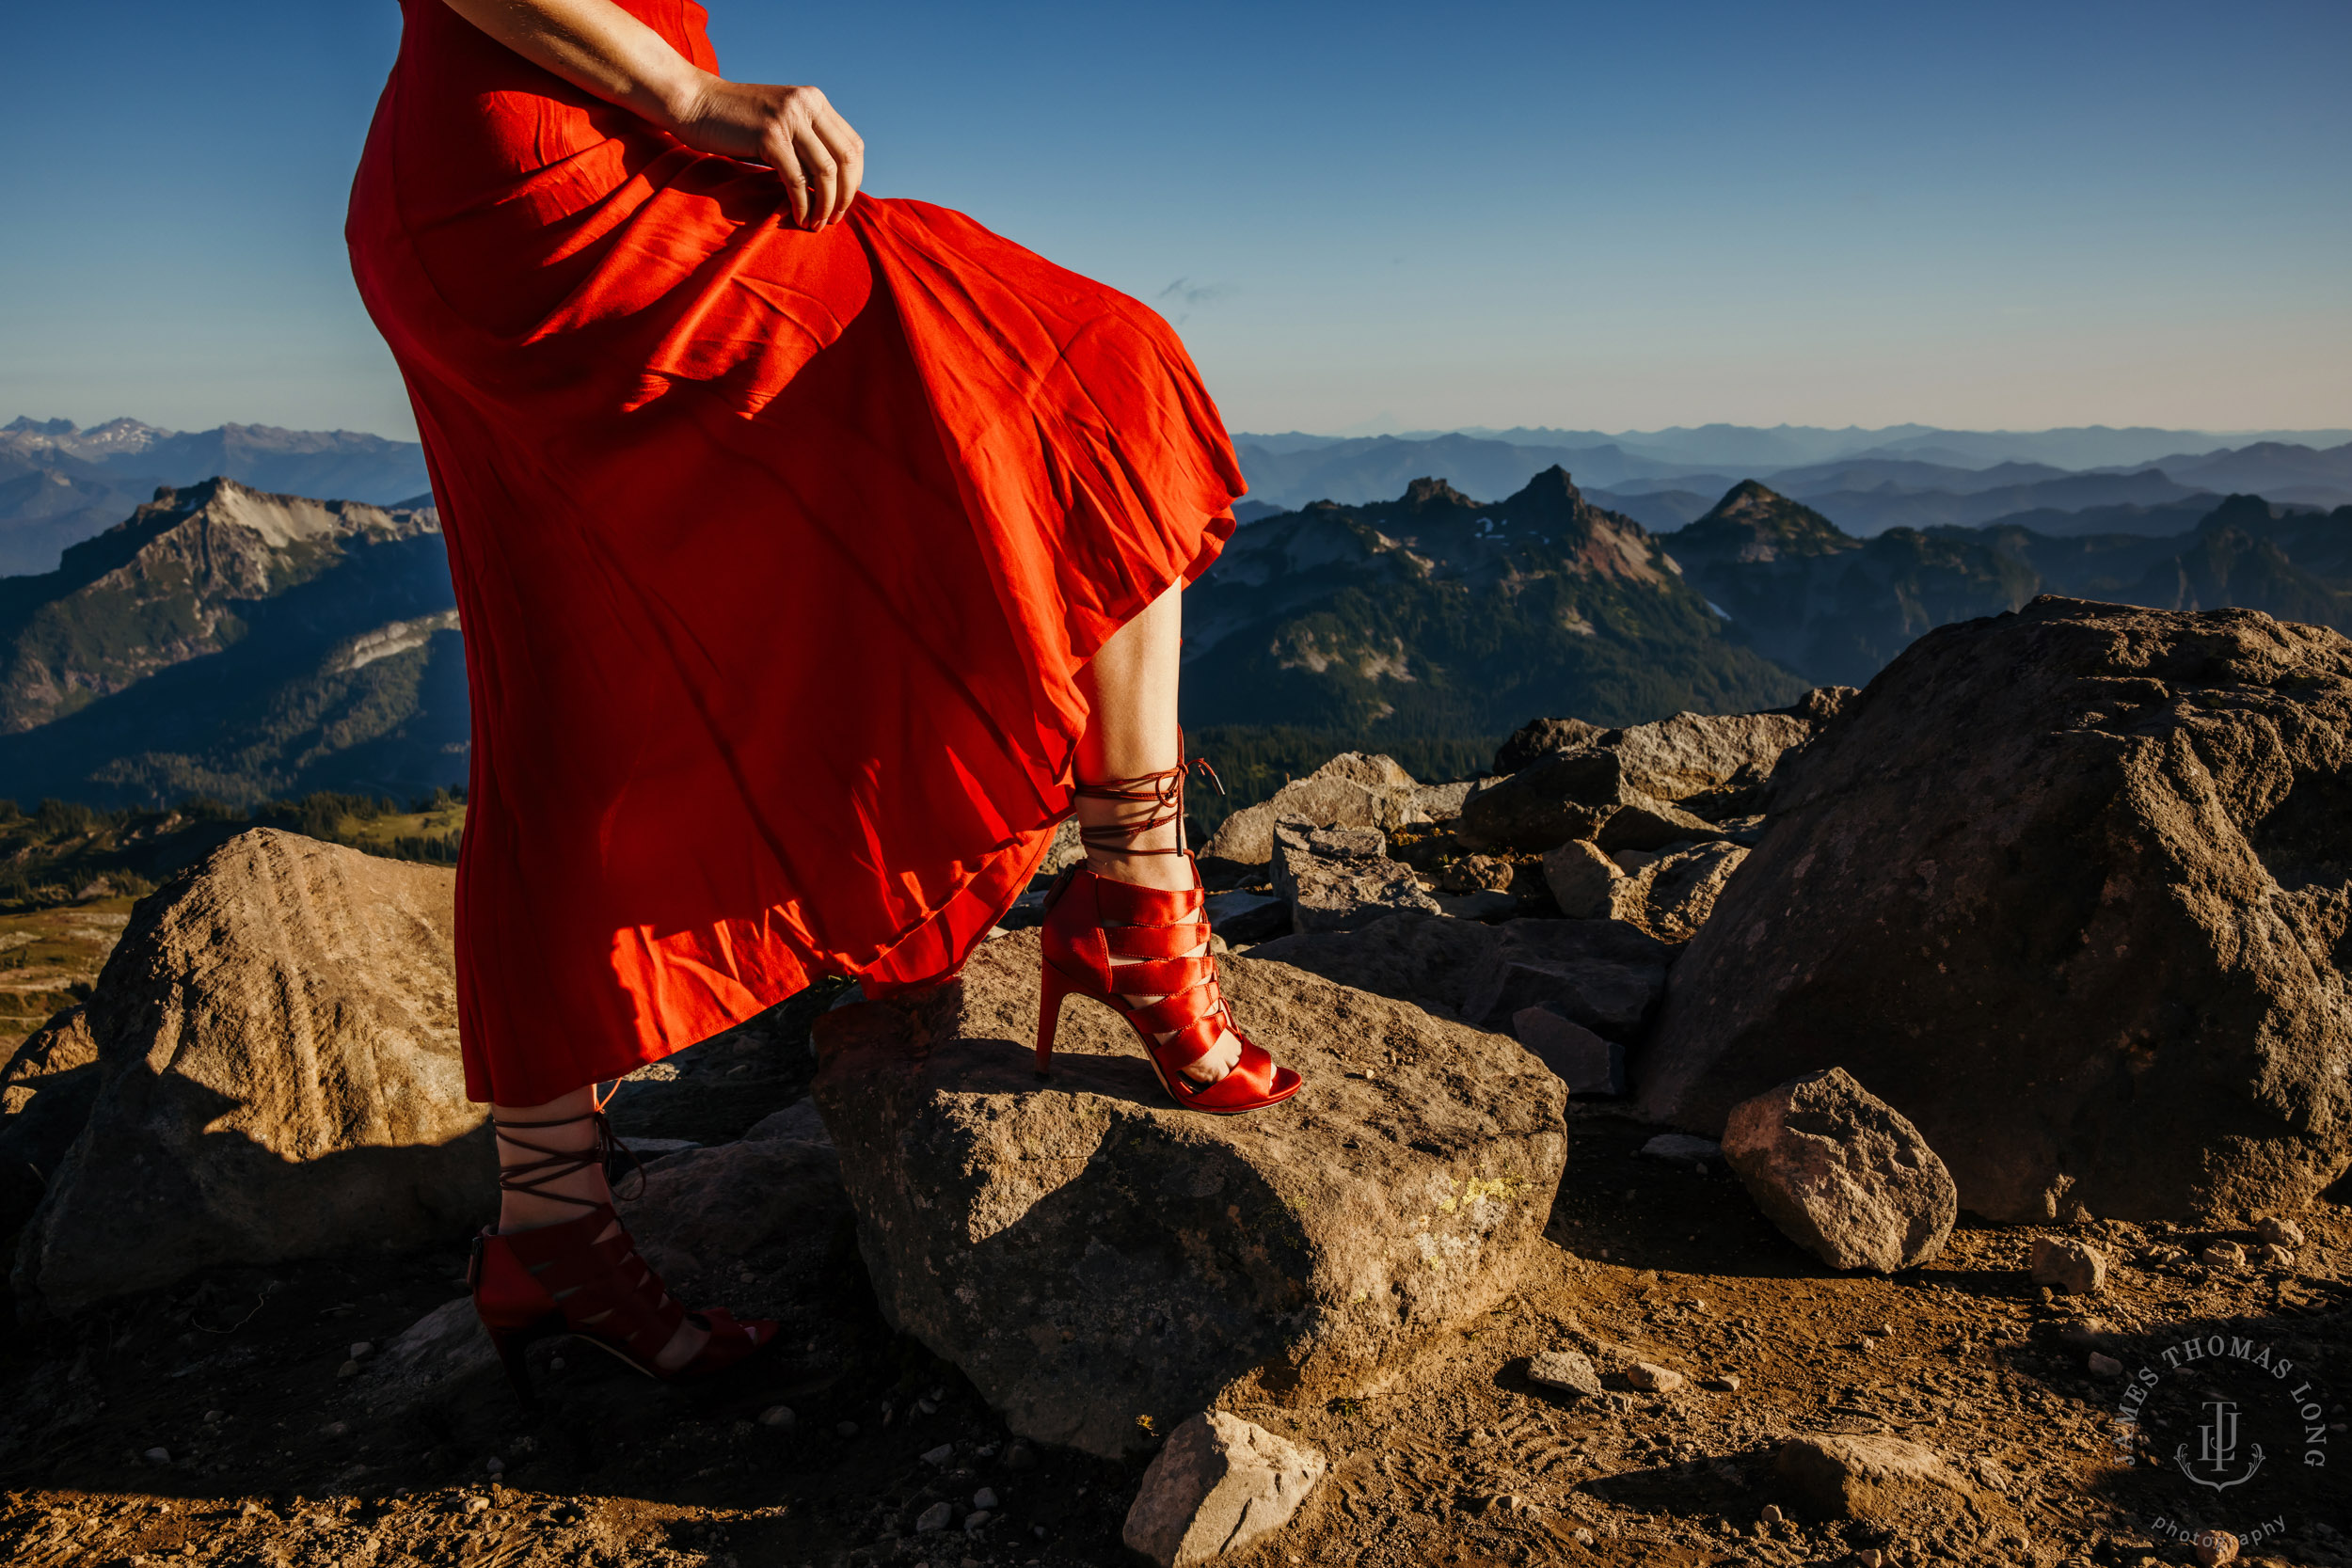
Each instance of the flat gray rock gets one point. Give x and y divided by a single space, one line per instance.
1087 1253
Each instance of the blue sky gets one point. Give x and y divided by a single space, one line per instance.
1361 216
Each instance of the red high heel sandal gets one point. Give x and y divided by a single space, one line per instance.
574 1278
1090 921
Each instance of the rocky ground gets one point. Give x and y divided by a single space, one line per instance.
237 1420
50 957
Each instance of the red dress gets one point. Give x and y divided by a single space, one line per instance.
778 553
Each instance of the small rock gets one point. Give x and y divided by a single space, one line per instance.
1219 1485
1723 1382
2103 1365
985 1500
2279 1231
1021 1457
2085 1333
1652 1378
1842 1173
2215 1547
495 1466
477 1505
213 1417
1771 1513
1870 1557
1478 874
2157 1255
777 1416
349 1368
157 1456
1567 1370
2223 1255
936 1517
336 1429
975 1520
1873 1478
941 1454
1583 880
2064 1263
2272 1255
361 1350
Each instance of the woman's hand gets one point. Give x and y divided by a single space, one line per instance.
793 131
599 47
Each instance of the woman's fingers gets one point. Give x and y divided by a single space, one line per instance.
824 178
795 179
849 154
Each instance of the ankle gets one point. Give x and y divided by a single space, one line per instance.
1163 873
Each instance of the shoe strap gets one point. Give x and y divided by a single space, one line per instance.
601 1282
1157 941
535 1176
1161 795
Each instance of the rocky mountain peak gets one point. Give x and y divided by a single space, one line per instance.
1753 522
1423 495
1548 495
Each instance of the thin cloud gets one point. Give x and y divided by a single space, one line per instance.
1187 296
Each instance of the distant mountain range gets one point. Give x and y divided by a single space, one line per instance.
1815 599
246 642
232 643
1911 481
60 484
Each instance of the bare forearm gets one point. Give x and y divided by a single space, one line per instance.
598 47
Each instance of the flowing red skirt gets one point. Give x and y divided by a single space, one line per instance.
778 553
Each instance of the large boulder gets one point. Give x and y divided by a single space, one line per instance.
2067 889
277 1038
1339 879
1089 1254
1693 753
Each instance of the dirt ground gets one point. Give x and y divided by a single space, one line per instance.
214 1423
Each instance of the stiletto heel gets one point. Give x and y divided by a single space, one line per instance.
584 1277
1091 922
1051 989
514 1346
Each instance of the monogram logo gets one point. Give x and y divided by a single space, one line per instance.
2217 1450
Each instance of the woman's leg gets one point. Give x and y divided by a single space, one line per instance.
1131 685
527 1209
